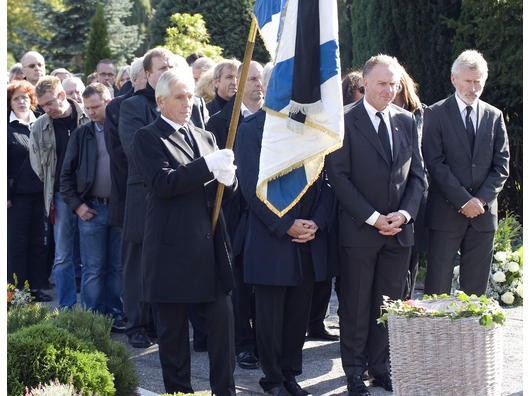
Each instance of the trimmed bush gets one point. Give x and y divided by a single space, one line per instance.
95 329
42 352
24 316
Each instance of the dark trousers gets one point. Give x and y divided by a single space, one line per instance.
244 312
319 306
174 347
138 312
366 274
282 313
476 253
28 241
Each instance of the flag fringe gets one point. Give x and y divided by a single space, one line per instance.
297 165
305 108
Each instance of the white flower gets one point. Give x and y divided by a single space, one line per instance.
499 277
515 256
501 256
508 298
512 266
456 271
519 289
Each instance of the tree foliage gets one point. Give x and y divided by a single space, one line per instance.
124 39
98 41
140 17
187 34
228 23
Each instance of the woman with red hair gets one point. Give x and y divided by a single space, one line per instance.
27 234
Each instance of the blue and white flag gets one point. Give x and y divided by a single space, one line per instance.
304 120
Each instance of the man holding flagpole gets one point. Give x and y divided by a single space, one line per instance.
378 178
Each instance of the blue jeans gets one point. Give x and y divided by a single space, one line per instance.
101 270
66 254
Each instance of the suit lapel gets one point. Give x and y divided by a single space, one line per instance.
482 127
366 128
175 138
397 135
453 115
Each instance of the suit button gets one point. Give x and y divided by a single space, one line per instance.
208 236
473 165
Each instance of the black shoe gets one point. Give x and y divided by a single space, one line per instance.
118 325
140 340
356 387
294 388
247 360
39 296
278 391
384 381
323 335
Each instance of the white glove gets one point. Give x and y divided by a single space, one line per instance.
226 176
219 160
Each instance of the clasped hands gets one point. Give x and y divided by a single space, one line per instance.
302 230
390 224
472 208
221 164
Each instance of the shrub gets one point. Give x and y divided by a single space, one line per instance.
95 329
43 351
24 316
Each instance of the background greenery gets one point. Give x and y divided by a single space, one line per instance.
425 36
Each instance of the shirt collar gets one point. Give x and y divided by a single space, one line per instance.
462 105
245 111
172 123
372 111
13 117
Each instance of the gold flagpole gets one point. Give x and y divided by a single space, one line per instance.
236 112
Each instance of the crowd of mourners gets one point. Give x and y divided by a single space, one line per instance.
112 183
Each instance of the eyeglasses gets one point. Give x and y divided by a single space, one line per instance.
106 74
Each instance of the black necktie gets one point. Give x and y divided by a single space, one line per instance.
382 132
470 130
187 137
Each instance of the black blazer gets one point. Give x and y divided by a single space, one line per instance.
118 161
456 173
135 113
182 262
364 181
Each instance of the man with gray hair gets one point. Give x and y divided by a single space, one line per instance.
378 178
74 87
465 145
225 84
183 261
137 312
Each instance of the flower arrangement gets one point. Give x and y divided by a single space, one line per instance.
459 306
506 280
505 283
18 297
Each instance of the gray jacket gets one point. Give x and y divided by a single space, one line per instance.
43 154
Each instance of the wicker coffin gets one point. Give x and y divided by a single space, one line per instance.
441 356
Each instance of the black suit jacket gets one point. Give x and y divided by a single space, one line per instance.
364 181
118 161
182 262
135 113
457 174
